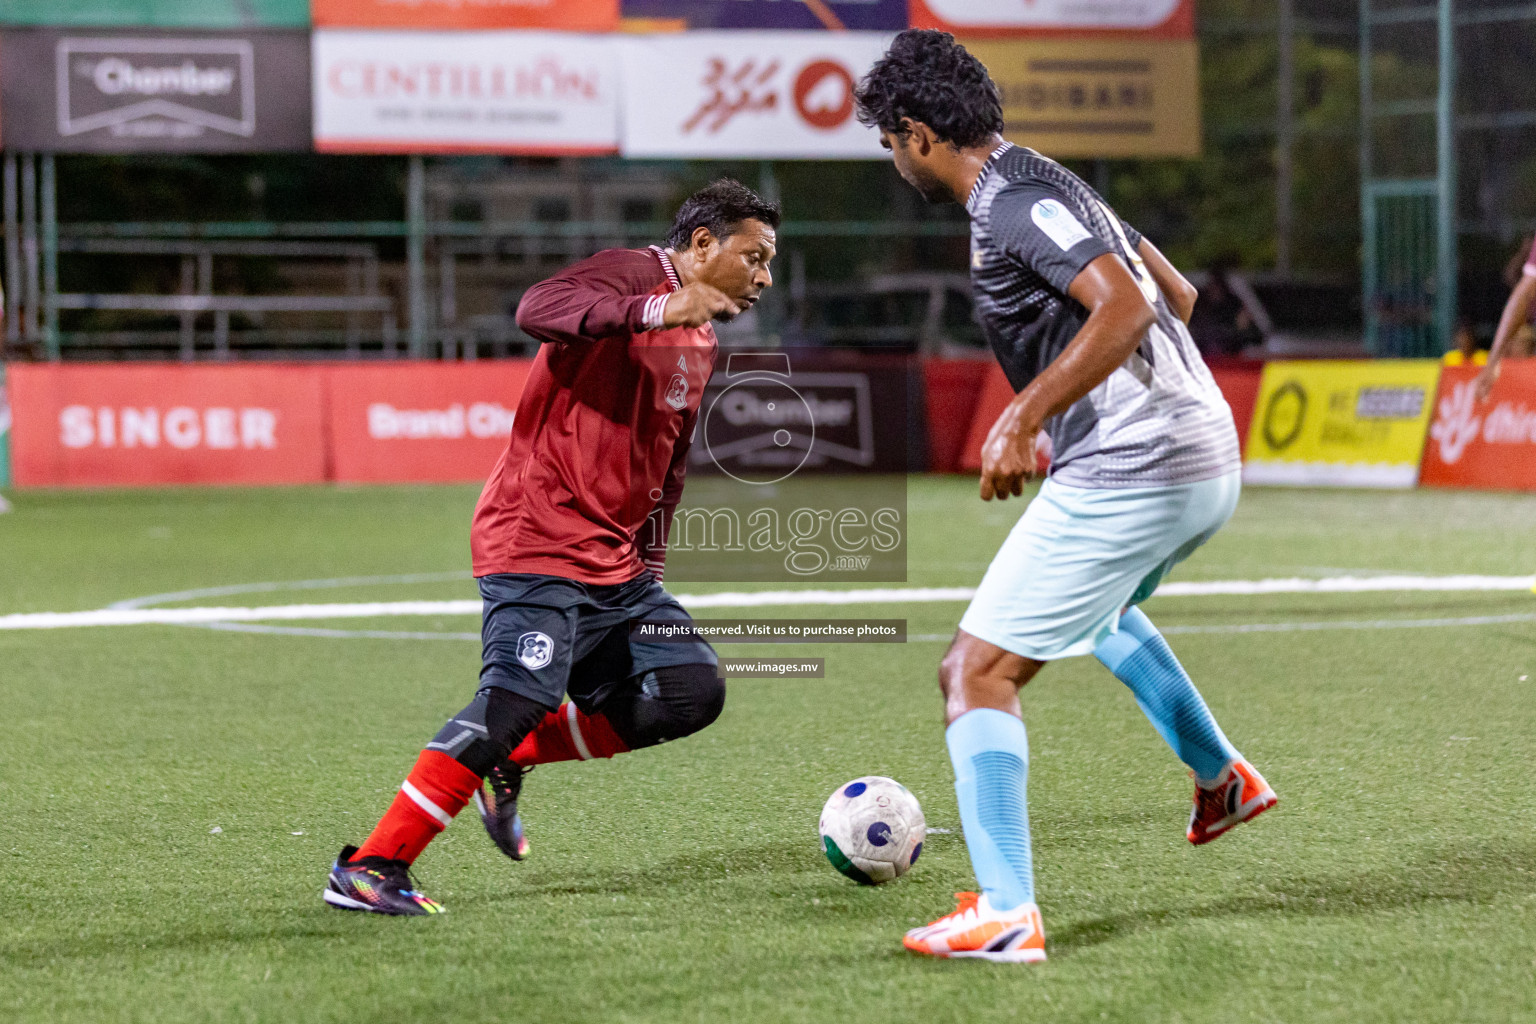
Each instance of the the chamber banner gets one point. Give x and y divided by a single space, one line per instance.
156 91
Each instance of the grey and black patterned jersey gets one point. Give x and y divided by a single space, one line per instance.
1160 418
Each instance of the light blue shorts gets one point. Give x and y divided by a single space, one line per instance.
1079 555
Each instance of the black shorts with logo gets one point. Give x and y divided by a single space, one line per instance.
547 636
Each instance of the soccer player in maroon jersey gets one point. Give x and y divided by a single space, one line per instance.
569 538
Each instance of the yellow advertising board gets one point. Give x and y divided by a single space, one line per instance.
1095 97
1342 423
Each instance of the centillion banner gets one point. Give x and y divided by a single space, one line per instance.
1097 97
1344 423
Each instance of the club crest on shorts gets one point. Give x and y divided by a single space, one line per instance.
535 650
677 392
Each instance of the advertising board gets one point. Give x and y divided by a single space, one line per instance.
1346 423
797 471
427 422
768 95
1488 444
835 15
567 15
1173 19
89 425
155 91
5 434
1097 97
465 92
1239 385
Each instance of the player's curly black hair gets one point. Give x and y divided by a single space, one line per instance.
927 76
720 206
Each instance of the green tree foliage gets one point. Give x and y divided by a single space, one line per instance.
1223 205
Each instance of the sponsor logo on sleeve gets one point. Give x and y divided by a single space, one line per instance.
1058 224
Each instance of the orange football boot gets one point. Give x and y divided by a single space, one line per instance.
976 930
1238 794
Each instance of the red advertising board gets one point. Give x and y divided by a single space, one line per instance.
1238 380
1167 19
952 388
110 425
1488 444
569 15
428 422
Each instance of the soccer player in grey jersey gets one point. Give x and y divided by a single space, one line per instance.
1088 321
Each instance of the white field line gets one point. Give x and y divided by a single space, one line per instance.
1297 627
121 616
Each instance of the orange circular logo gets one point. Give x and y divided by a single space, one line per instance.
824 94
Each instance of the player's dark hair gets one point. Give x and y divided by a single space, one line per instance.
721 206
927 76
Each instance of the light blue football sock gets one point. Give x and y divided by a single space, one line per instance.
1141 659
990 753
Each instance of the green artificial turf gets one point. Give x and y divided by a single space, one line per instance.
170 798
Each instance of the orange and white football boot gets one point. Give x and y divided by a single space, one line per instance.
1238 794
976 930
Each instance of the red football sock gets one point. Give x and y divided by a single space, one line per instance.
437 789
568 734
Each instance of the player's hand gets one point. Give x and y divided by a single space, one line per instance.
1008 454
1483 386
696 304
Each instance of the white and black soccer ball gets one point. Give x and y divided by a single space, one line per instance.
872 829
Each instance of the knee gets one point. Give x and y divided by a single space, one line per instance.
666 704
698 696
951 673
484 733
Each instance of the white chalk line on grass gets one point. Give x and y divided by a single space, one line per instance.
1298 627
204 616
335 583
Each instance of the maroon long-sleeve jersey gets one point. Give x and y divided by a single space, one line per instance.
600 440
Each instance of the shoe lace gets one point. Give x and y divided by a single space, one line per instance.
506 782
396 872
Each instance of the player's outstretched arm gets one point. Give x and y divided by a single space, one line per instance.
597 298
1516 311
1118 318
1181 295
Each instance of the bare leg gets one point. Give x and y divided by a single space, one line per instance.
975 674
